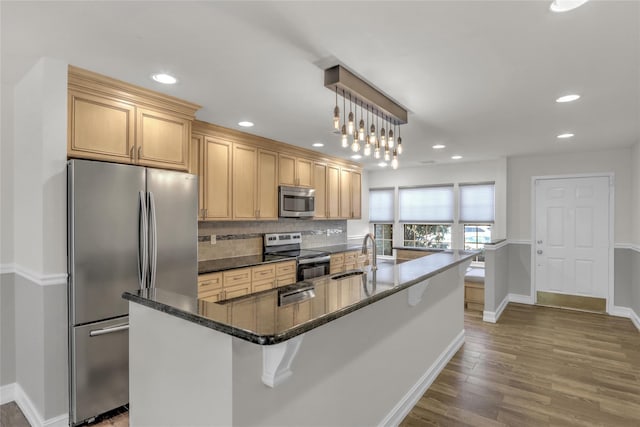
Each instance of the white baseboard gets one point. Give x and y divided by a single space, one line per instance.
520 299
13 392
493 316
409 400
7 393
628 313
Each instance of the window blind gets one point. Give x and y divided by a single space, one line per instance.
477 203
426 204
381 205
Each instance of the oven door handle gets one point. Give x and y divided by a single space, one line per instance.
317 260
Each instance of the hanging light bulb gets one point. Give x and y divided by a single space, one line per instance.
345 141
355 120
336 113
367 148
394 162
376 151
361 132
387 153
372 134
390 136
399 144
383 134
350 125
355 146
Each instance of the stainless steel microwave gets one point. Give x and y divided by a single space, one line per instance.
297 202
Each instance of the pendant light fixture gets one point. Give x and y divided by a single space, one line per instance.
374 136
336 113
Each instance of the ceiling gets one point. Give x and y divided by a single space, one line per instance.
480 77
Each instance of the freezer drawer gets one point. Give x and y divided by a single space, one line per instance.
99 368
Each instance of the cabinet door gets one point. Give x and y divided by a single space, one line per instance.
244 181
286 170
196 166
163 140
267 185
345 193
100 128
304 172
333 191
356 195
320 185
217 178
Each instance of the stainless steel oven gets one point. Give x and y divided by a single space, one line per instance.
313 266
310 263
296 202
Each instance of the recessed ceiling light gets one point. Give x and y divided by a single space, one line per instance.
317 144
565 5
438 146
565 135
382 164
356 157
245 124
456 157
568 98
164 78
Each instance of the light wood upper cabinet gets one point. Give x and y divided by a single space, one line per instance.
267 187
350 194
215 179
100 128
333 191
295 171
320 185
118 122
245 167
162 139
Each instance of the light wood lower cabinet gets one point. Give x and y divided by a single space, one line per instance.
346 261
474 295
336 263
213 287
403 255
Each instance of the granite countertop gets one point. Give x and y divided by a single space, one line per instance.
336 249
215 265
259 319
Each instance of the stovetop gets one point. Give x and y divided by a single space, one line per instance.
299 253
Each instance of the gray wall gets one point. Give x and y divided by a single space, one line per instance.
496 277
7 330
635 291
623 277
519 268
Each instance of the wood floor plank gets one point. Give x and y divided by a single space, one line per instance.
538 366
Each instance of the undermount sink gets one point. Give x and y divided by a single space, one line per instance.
349 274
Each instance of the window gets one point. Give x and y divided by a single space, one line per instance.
384 238
477 212
428 214
475 237
427 235
381 212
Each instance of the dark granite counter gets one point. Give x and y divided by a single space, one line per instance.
414 248
216 265
261 320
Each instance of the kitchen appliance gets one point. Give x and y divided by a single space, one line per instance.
129 227
310 263
296 202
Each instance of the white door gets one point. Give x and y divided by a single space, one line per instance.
571 242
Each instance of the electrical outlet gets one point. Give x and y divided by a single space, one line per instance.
213 239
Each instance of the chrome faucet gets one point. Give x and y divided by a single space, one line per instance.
374 264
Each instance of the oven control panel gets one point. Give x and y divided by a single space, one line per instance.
278 239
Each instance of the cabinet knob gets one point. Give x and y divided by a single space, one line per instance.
139 152
131 153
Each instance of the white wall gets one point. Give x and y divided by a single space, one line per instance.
635 199
39 224
454 173
521 169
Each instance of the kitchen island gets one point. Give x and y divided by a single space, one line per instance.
347 349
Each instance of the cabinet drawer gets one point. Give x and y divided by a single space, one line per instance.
337 259
333 269
237 291
473 294
285 268
236 277
209 282
262 285
350 257
210 297
348 267
263 272
286 280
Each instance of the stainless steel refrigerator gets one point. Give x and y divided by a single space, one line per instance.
129 227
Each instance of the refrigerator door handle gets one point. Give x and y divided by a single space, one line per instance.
143 251
153 241
110 330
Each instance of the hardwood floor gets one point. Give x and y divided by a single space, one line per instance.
538 366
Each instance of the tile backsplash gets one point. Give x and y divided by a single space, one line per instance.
242 238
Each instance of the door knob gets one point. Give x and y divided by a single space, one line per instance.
539 252
539 242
